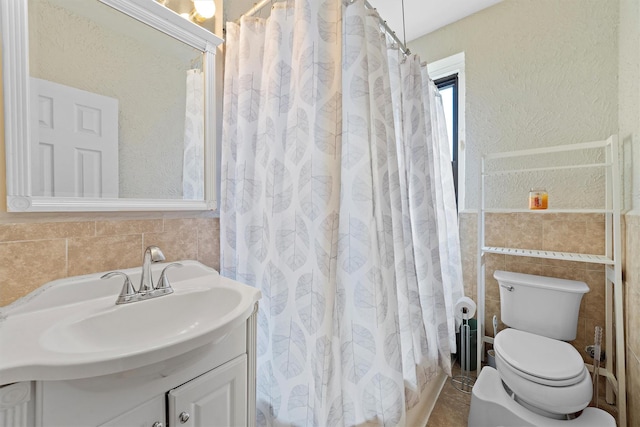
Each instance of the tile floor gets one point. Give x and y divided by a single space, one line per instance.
452 406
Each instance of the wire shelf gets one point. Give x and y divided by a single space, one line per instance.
565 256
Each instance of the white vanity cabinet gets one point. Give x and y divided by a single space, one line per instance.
70 356
213 385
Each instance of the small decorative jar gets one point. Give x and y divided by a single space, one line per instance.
538 198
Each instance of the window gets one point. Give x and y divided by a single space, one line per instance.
448 87
449 75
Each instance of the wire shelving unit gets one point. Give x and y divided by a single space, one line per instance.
614 369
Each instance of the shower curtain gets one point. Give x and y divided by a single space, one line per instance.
193 155
337 202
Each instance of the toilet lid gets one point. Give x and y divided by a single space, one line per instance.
539 356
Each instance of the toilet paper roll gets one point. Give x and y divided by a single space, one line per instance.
465 302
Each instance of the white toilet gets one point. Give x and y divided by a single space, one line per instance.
539 380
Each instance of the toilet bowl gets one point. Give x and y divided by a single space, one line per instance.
547 376
539 378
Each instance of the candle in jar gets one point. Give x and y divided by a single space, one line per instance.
538 198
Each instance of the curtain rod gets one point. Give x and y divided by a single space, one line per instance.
258 6
390 32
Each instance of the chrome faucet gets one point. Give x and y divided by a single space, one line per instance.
147 290
151 254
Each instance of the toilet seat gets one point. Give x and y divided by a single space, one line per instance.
540 359
542 372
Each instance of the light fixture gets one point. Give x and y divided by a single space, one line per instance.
203 10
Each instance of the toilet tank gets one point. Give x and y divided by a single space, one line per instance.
541 305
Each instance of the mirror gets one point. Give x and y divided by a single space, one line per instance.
133 84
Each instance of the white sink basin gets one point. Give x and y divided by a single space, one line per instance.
71 328
143 324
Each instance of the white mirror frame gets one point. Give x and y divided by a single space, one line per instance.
15 56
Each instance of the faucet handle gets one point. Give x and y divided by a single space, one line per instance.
163 283
128 292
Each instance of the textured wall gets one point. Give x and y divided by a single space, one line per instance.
629 118
3 164
629 94
148 81
538 73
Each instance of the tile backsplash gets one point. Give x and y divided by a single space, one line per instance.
581 233
632 326
34 253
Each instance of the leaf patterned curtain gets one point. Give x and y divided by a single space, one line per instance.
337 205
193 158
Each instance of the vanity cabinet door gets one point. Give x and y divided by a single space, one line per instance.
149 414
217 398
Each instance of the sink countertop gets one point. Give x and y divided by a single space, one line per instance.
72 328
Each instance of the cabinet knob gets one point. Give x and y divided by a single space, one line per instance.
184 417
157 424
